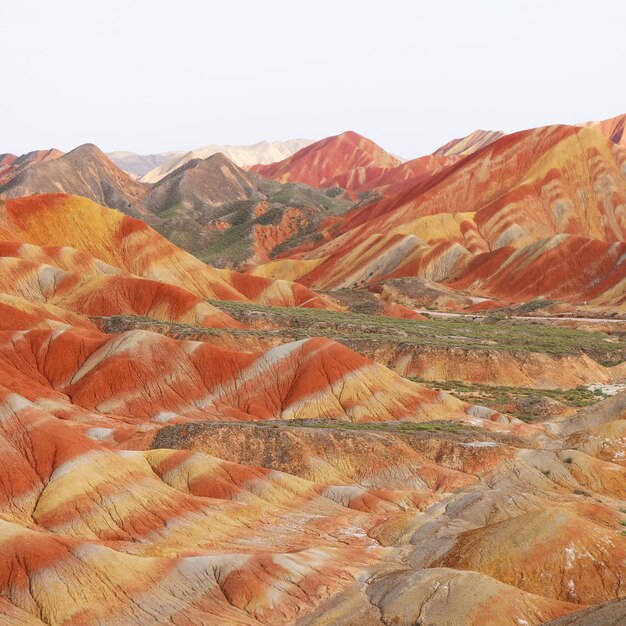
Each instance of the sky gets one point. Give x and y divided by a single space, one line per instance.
151 76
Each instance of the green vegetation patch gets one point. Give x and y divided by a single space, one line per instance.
401 427
171 211
495 396
234 241
491 334
490 394
301 196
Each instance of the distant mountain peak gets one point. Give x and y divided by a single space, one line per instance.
319 163
464 146
88 150
12 165
84 171
612 128
242 156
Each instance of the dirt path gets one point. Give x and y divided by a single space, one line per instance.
591 320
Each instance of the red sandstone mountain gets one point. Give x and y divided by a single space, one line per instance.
11 165
131 246
612 128
209 485
514 193
387 180
469 144
326 162
249 467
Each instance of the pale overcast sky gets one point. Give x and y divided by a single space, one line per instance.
156 75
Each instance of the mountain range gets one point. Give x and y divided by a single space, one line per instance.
343 213
151 168
336 388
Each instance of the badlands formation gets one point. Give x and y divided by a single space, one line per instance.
335 389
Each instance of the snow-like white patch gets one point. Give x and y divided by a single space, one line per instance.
57 333
164 416
569 557
129 454
105 268
607 390
481 411
130 341
300 564
88 551
99 434
49 277
352 531
193 566
16 402
443 396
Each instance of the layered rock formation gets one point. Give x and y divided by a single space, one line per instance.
208 206
188 445
550 197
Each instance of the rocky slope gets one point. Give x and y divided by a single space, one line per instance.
608 613
85 171
207 182
230 217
